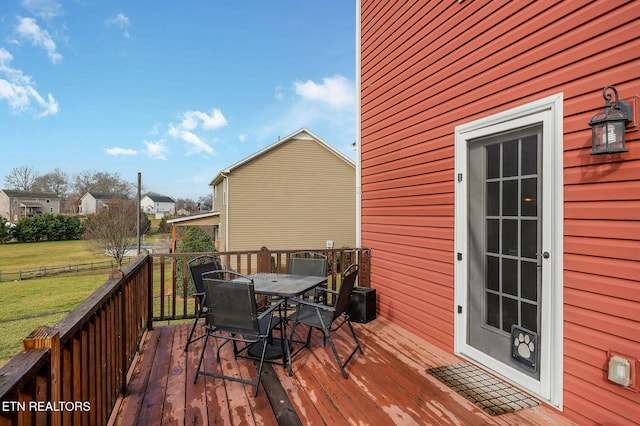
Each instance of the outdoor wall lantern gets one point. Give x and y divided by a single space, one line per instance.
608 126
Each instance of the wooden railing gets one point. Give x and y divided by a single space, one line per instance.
171 293
74 373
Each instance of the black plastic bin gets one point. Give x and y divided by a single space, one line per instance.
362 305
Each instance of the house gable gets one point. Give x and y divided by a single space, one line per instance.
298 192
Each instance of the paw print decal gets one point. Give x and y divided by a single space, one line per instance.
524 348
524 345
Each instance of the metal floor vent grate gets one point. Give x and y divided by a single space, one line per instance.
492 395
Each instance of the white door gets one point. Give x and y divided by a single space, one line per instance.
509 246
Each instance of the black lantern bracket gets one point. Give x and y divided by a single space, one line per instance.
609 126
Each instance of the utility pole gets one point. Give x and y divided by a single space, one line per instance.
138 212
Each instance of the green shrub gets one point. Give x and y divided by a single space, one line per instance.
195 240
162 226
5 231
48 227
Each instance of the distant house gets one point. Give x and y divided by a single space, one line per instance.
91 202
14 205
159 205
296 193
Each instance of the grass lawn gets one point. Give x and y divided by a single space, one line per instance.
41 301
24 256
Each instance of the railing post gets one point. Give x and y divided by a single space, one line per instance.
150 293
48 337
264 260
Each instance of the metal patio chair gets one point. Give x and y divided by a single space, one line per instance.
232 314
325 318
308 263
197 267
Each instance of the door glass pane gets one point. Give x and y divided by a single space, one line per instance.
509 313
530 317
529 280
493 236
510 276
493 310
493 198
529 238
510 158
510 237
510 198
493 273
529 198
493 161
530 155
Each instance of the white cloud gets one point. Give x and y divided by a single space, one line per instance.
191 123
191 120
29 29
280 93
154 130
45 9
121 151
50 106
156 149
121 22
194 142
18 90
326 108
336 91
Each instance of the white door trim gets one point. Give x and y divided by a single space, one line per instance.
549 111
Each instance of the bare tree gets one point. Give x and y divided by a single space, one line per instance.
21 178
103 182
113 229
186 204
205 203
56 181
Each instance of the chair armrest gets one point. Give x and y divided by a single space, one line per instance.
312 304
270 309
200 296
325 290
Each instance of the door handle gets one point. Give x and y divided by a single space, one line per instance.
544 254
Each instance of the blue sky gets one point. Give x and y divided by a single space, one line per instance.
176 90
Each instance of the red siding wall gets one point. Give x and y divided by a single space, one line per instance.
427 66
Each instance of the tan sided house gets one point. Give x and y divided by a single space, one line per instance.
298 192
15 205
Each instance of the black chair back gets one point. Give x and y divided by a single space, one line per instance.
197 269
308 263
232 303
346 287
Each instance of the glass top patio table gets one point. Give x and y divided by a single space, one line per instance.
284 286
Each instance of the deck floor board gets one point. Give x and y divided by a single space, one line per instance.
387 385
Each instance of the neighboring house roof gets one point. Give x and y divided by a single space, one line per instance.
104 195
194 217
160 199
300 134
23 194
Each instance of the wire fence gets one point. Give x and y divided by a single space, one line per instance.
53 271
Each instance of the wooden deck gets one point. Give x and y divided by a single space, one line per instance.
388 385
